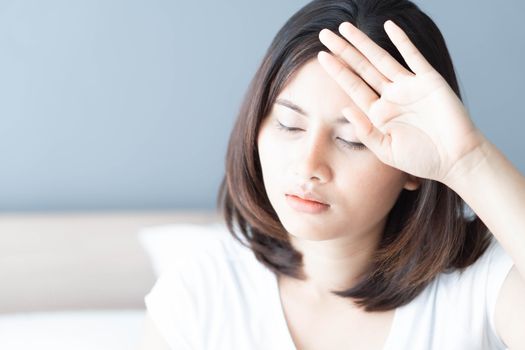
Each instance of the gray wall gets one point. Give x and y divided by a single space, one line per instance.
129 104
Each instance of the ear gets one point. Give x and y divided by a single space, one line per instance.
412 183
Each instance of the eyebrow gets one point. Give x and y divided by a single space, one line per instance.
296 108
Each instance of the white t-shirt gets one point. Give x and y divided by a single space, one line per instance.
223 298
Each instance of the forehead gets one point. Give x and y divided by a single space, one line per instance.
311 88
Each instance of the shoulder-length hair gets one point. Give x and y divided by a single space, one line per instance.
426 232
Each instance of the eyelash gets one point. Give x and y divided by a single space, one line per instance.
347 144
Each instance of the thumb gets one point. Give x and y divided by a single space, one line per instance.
368 134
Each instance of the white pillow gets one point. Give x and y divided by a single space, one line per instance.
168 244
66 330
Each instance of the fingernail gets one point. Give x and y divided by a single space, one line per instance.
321 56
342 25
323 33
389 23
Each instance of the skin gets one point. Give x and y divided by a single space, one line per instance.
360 189
416 123
416 126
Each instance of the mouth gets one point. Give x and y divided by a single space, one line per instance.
310 200
306 205
307 196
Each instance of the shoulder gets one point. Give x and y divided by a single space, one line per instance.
486 273
509 315
215 282
209 260
458 306
214 259
217 262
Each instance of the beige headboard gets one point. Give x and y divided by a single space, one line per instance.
58 261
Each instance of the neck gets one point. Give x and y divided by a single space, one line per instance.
333 265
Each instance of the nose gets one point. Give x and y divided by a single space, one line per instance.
311 163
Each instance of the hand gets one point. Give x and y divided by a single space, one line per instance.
411 121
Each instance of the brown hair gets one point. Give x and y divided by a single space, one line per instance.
426 232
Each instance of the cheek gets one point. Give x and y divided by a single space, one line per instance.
271 146
385 184
372 187
269 159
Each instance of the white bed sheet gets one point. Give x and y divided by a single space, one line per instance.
79 330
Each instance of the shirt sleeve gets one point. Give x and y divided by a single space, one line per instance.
499 265
172 308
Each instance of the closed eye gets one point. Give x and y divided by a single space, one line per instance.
347 144
352 145
286 128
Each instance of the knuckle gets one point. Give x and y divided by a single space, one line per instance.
340 75
362 66
346 53
381 57
353 85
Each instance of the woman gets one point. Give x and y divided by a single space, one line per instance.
347 175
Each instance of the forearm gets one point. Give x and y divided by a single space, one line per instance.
495 190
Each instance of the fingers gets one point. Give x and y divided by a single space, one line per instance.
368 134
377 56
351 83
349 54
415 60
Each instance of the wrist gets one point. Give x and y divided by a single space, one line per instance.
470 163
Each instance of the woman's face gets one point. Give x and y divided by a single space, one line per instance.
315 160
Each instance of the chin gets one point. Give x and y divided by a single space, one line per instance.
303 229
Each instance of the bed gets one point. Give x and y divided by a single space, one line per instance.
77 280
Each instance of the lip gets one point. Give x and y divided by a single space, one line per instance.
306 205
309 196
